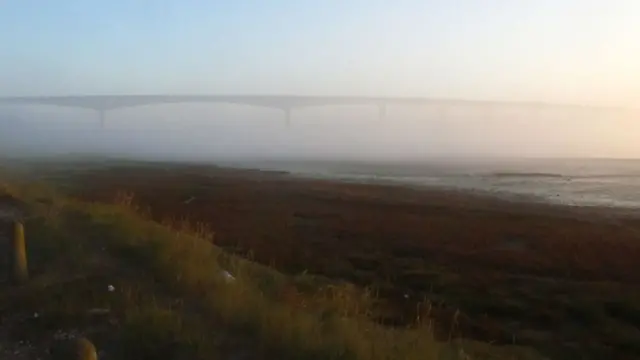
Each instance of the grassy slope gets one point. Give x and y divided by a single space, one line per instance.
171 301
570 292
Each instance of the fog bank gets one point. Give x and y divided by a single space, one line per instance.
219 131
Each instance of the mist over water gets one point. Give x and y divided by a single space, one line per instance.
508 155
343 132
545 52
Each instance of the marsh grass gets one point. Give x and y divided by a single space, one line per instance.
174 302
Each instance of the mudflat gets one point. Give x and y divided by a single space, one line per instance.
564 280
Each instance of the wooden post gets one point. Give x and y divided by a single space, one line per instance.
19 255
85 349
73 349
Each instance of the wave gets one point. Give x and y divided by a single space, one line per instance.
526 174
561 176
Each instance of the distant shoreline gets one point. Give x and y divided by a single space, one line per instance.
500 196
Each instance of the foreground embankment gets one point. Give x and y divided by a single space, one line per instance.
563 280
139 289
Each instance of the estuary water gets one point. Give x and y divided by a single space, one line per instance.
577 182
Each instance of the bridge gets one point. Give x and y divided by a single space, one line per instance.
103 103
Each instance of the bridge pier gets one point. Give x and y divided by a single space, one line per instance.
287 117
382 111
102 116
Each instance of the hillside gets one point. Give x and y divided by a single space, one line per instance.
143 290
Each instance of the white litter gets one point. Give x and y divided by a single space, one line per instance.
189 200
111 288
228 277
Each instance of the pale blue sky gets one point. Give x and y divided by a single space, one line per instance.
582 51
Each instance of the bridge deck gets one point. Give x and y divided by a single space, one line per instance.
109 102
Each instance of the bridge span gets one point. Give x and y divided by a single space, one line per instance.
104 103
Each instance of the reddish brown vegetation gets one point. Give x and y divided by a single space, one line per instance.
518 272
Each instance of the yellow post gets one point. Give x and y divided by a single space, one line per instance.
19 252
85 349
73 349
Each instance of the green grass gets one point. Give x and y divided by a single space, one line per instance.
171 301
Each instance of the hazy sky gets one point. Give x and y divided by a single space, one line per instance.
556 50
575 51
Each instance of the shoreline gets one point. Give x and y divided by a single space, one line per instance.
501 197
497 199
505 196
